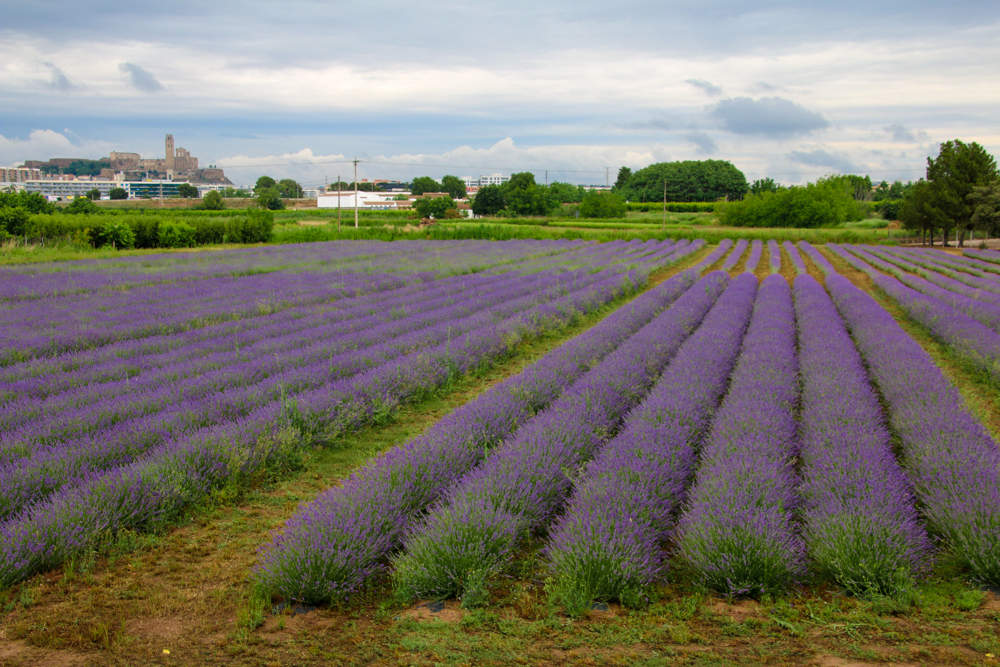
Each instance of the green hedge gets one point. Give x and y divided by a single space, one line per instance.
156 230
673 207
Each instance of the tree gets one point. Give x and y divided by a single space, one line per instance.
624 174
82 205
985 202
269 198
566 193
914 213
692 180
424 184
13 221
435 207
93 195
187 191
32 202
489 200
119 193
953 175
234 193
263 183
525 197
213 201
602 204
762 185
454 186
289 189
824 203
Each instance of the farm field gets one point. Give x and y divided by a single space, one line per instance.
471 452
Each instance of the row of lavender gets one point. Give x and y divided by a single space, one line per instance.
964 317
92 460
38 281
59 324
637 454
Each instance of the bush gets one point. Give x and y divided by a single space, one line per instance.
13 222
213 201
673 207
176 235
116 234
826 203
436 207
602 204
32 202
889 209
118 193
83 205
256 227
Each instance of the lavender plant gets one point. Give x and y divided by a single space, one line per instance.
952 462
608 544
861 525
470 535
774 253
332 546
736 530
756 250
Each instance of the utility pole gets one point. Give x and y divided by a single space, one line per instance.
355 193
546 178
607 177
338 204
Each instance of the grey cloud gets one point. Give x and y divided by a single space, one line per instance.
140 78
901 133
768 116
704 142
706 87
765 87
821 158
657 124
59 79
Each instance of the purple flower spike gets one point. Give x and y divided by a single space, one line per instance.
609 542
861 524
523 483
736 530
952 462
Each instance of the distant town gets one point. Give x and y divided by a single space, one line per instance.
177 172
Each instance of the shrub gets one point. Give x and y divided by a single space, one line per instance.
83 205
32 202
116 234
256 227
890 208
600 204
176 235
213 201
436 207
826 203
13 221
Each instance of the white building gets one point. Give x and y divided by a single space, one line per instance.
483 181
63 189
368 201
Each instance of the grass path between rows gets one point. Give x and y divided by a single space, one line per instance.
183 597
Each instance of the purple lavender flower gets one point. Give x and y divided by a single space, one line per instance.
952 462
861 524
522 484
608 544
736 530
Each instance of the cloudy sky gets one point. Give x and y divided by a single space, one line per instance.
790 90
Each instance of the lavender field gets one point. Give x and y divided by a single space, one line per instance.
728 425
742 435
